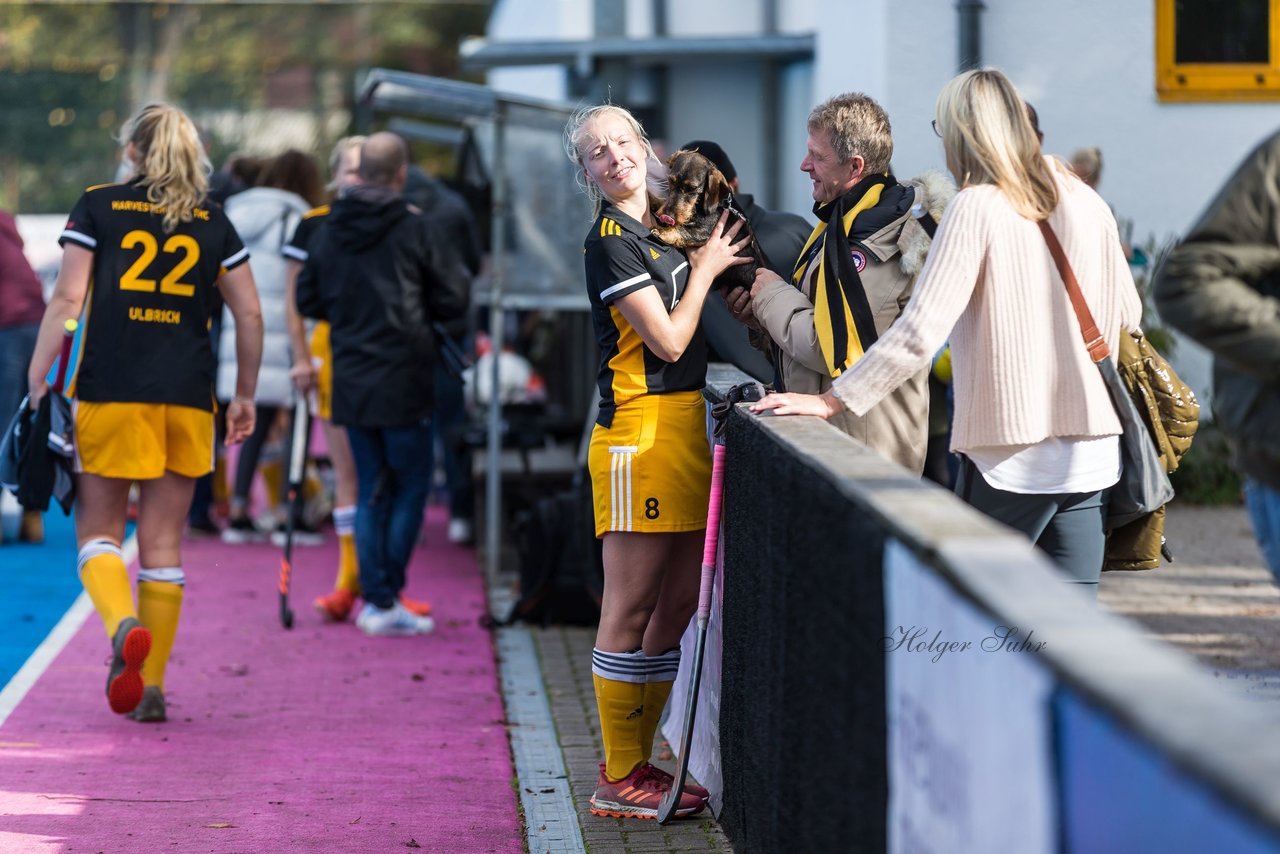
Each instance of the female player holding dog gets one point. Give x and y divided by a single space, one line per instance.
146 255
649 459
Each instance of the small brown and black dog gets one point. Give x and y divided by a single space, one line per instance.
697 193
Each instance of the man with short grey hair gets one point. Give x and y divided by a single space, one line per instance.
380 273
855 274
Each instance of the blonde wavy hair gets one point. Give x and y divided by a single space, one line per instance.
578 137
172 162
988 139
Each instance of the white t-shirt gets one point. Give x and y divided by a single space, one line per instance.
1055 466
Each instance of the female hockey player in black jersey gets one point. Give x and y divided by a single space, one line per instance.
141 259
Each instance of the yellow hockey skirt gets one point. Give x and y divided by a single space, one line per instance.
141 441
651 468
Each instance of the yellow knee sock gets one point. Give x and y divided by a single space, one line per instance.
348 564
106 580
221 494
273 475
660 674
159 607
655 700
344 522
621 708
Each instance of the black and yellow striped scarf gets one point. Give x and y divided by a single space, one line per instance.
842 316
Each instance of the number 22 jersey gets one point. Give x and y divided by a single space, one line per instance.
145 337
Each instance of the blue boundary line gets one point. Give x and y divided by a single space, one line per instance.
45 605
40 584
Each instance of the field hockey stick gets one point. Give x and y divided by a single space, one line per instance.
297 461
671 800
64 356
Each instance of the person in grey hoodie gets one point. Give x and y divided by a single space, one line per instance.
265 216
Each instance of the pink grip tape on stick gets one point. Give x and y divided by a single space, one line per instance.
712 542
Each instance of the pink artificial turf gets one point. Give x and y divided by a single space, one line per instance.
316 739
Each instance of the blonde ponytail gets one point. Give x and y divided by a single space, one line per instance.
172 163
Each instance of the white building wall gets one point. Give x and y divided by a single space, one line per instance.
851 52
640 17
521 20
1088 66
1089 69
720 101
795 101
922 51
714 17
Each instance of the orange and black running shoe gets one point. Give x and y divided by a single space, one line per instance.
689 786
335 607
638 794
129 649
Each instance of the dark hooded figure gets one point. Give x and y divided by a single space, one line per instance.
381 273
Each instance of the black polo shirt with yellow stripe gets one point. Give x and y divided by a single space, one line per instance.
297 247
622 256
145 337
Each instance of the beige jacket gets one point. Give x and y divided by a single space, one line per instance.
898 426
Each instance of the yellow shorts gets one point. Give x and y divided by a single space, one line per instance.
651 469
141 441
322 358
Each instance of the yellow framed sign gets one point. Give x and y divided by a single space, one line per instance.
1218 50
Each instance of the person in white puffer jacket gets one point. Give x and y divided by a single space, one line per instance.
265 216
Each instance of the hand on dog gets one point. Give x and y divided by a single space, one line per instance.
720 252
764 276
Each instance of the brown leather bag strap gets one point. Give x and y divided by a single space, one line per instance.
1093 340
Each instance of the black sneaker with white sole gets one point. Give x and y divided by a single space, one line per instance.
303 535
242 530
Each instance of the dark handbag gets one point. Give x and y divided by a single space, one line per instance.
1144 485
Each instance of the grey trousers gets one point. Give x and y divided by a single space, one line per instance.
1066 526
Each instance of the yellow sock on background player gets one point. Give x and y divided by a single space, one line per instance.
344 523
273 475
336 606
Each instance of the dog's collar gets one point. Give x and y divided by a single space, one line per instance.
731 205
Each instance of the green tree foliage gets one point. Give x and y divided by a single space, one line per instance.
71 73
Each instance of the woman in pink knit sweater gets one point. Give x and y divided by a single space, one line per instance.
1033 421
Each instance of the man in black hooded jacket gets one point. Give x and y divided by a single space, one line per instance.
380 273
